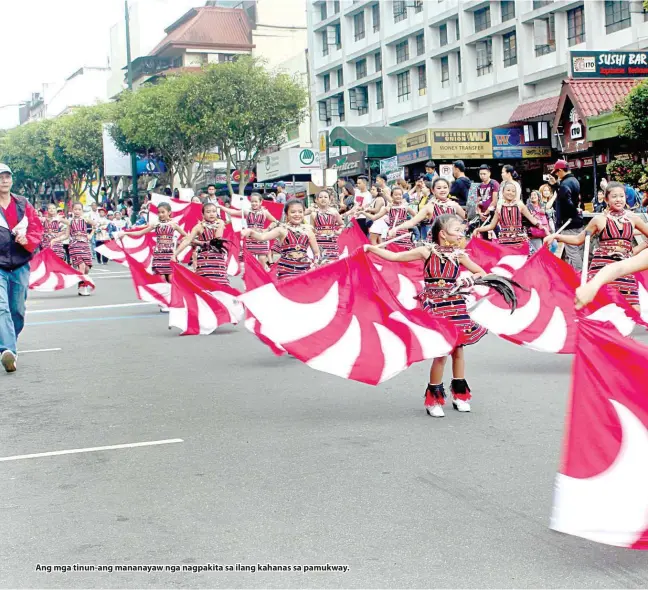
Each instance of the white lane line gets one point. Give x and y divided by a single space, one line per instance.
92 449
111 277
39 350
89 307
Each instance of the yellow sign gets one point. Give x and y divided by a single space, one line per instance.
413 141
452 144
209 157
536 152
322 142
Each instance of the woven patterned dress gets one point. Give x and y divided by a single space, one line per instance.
52 228
211 263
441 272
615 244
294 254
396 216
512 232
256 220
80 252
163 250
326 225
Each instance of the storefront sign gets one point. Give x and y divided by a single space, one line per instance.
349 165
323 145
452 144
413 141
609 64
391 169
286 163
536 152
413 156
508 143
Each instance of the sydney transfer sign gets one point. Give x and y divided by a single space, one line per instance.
609 64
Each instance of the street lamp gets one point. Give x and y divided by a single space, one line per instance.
133 156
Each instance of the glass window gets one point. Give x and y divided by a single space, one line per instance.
361 69
508 10
576 25
341 106
327 82
482 19
336 7
325 50
617 15
323 14
378 61
459 67
422 80
403 83
418 6
545 35
400 11
324 111
541 3
443 35
484 57
380 100
445 72
402 51
510 49
340 77
457 29
362 100
375 17
420 44
359 25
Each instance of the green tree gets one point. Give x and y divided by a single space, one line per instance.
155 119
244 109
634 109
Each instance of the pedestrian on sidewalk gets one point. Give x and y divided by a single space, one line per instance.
567 209
20 235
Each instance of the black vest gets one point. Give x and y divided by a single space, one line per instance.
12 255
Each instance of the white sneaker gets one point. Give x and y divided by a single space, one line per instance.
8 360
460 405
436 411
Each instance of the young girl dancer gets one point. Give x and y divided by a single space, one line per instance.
80 253
508 214
440 204
443 256
206 237
378 229
294 238
255 219
54 232
396 215
164 232
616 228
328 225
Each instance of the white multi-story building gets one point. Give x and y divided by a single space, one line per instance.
452 63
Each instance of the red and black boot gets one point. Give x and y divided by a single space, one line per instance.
460 395
434 399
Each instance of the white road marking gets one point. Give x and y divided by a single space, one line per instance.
92 449
39 350
89 307
119 276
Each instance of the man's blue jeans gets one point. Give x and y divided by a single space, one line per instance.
14 285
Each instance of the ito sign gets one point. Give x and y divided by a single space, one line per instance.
609 64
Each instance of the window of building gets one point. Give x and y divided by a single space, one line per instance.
459 67
327 82
457 29
418 6
375 17
325 112
617 15
378 61
359 25
358 100
422 80
323 14
336 7
545 35
400 11
380 100
402 51
540 3
482 19
403 83
338 36
325 49
340 77
576 25
361 69
420 44
443 35
510 49
508 10
445 72
341 111
484 57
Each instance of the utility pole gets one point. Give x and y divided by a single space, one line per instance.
133 156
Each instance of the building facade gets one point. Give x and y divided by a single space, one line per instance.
454 63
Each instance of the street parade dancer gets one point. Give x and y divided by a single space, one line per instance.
378 229
165 230
255 218
294 238
328 224
396 215
508 214
80 253
443 256
54 232
616 227
207 238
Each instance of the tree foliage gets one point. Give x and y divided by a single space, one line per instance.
634 109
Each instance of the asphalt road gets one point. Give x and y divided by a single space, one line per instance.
279 464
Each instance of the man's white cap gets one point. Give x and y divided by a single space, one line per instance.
5 168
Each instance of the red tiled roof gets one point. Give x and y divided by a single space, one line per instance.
531 110
209 26
593 97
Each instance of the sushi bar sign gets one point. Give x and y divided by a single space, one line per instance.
609 64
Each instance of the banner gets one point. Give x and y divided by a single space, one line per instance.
609 64
453 144
116 163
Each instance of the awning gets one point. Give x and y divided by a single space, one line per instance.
376 142
533 110
605 126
